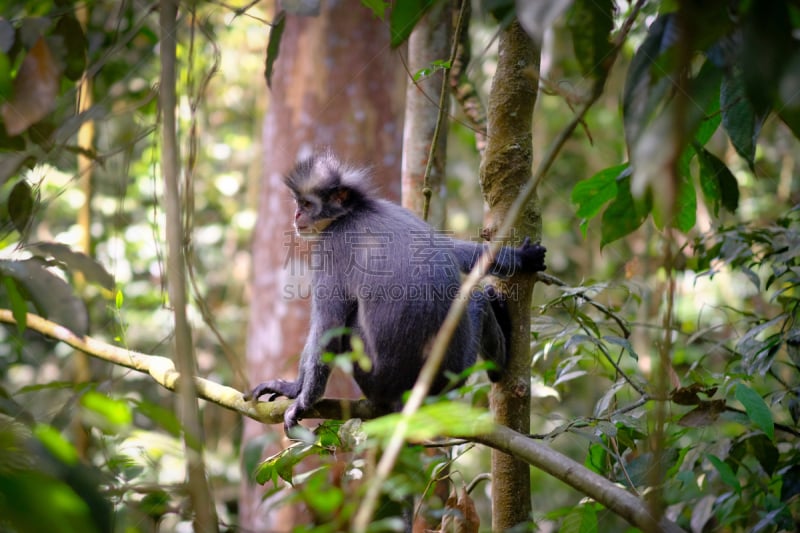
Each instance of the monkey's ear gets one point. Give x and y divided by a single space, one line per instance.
340 196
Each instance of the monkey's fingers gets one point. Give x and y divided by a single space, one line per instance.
268 387
532 256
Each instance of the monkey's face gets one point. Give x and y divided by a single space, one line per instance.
310 218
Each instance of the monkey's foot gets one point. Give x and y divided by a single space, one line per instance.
275 388
503 316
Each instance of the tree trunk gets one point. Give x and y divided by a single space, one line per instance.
336 83
430 41
505 168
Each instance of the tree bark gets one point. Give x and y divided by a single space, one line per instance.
430 41
336 83
505 169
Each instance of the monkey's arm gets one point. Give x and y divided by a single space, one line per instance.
527 258
313 373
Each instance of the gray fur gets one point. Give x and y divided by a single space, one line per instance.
391 280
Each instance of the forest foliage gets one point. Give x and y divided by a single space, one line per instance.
666 344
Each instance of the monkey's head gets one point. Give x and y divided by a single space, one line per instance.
325 190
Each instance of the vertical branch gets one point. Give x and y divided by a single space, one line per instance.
505 169
82 371
199 492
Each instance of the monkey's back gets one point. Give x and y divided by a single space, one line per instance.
401 276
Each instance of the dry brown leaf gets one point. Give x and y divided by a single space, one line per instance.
35 90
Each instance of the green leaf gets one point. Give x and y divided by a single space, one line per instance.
623 216
282 464
93 271
75 44
757 410
56 444
5 77
581 519
739 116
274 44
592 194
646 88
19 308
444 419
622 342
686 208
726 473
718 183
52 296
378 7
165 418
20 205
404 17
709 123
590 23
765 451
791 483
109 414
596 459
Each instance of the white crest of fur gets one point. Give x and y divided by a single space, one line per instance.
328 170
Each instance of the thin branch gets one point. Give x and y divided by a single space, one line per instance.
205 518
549 279
162 371
442 106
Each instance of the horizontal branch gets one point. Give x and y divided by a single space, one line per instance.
577 476
163 372
529 450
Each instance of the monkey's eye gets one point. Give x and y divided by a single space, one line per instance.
305 205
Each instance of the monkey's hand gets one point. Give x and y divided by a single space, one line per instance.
275 388
531 256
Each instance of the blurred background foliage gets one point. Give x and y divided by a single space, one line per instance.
730 453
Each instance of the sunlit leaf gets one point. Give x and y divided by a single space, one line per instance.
592 194
378 7
109 414
440 419
155 504
56 444
19 308
404 17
